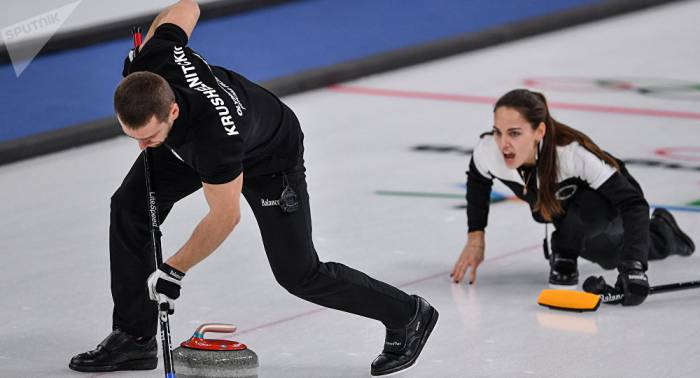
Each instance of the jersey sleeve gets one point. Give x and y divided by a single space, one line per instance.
171 33
219 161
587 166
479 184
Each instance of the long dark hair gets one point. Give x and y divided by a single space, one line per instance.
533 107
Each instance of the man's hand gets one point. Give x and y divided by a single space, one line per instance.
164 287
633 282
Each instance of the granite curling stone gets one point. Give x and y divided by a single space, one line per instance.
203 358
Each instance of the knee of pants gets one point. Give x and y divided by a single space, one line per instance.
603 250
120 201
295 282
570 233
566 243
606 263
127 211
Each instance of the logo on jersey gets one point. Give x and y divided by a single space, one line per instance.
231 93
565 192
195 83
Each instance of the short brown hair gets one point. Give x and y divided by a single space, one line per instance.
140 96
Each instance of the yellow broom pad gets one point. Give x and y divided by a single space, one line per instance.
569 300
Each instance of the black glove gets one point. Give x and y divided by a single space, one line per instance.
633 282
597 285
164 287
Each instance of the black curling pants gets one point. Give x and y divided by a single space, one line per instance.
286 237
592 229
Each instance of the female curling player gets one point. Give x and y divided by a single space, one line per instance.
597 208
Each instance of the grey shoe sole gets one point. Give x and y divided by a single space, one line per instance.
572 281
142 364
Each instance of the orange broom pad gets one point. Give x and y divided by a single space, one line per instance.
569 300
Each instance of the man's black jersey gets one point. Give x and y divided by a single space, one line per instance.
227 124
579 169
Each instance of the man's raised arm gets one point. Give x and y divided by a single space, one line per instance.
184 14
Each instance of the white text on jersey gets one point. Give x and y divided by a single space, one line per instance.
195 83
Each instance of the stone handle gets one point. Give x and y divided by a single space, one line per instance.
214 327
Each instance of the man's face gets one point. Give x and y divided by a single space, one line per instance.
155 131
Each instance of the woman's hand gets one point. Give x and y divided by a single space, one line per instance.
472 255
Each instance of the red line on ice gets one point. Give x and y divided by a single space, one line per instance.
441 274
491 100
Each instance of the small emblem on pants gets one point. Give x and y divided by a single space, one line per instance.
268 203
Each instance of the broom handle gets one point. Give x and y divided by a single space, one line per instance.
658 289
168 362
674 287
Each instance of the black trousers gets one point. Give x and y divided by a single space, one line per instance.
592 229
286 237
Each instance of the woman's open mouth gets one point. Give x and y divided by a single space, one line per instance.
509 157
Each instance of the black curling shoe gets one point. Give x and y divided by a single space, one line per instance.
119 351
684 245
403 346
563 271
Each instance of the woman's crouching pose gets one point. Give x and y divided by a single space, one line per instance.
597 208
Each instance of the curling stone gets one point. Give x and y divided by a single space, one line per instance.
199 357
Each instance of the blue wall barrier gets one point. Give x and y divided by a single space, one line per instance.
76 86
